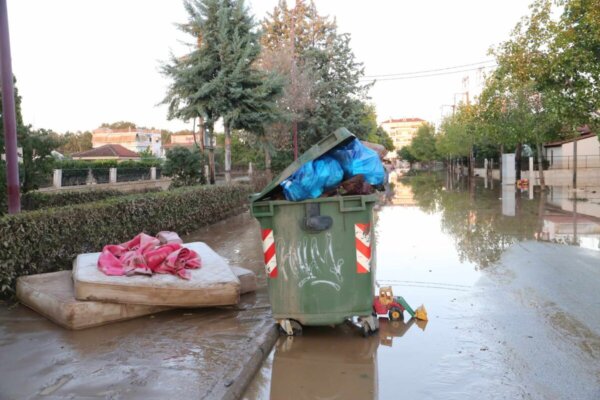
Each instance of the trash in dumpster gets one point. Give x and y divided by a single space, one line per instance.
354 185
324 175
319 255
355 158
312 179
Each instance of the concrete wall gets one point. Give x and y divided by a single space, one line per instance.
588 154
559 177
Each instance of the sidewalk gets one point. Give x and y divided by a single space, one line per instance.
196 353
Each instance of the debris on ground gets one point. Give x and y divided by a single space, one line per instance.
54 295
148 255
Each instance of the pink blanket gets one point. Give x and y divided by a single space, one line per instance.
144 254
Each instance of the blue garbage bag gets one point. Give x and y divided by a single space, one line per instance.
312 179
329 172
355 158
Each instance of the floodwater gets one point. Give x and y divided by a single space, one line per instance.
493 332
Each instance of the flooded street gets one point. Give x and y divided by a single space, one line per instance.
510 281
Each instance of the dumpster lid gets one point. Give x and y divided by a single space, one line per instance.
340 136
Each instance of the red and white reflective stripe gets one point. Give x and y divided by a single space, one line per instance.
268 243
363 248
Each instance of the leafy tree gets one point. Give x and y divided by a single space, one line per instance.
326 57
193 87
385 139
338 93
219 78
423 144
405 154
184 166
38 162
367 129
36 147
572 81
76 142
119 125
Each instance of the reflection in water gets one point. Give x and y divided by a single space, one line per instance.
325 363
388 330
484 220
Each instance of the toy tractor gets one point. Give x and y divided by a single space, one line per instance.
394 307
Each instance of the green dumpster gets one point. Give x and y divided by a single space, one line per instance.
320 253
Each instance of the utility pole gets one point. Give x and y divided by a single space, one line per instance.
8 115
293 72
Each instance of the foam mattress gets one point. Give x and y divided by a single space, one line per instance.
247 279
52 296
213 284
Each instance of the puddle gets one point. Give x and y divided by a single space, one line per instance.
436 239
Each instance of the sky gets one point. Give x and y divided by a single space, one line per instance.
81 63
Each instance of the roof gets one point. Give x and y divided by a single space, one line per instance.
561 142
108 150
390 121
125 130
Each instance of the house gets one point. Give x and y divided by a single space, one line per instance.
402 130
183 139
134 139
186 139
107 152
560 153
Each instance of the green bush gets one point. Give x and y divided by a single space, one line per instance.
38 200
50 239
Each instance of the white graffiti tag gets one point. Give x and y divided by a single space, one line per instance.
307 263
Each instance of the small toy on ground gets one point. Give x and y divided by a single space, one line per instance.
394 306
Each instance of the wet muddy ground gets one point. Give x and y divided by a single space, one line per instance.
510 281
178 354
510 316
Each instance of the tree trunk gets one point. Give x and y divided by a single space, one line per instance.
201 132
575 163
211 154
268 164
541 167
518 152
227 128
500 161
211 165
471 163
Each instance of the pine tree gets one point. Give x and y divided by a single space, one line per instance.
193 88
219 78
336 93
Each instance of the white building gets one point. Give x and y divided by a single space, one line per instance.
560 153
134 139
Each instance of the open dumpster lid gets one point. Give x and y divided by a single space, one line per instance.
340 136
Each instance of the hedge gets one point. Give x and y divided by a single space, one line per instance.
49 240
36 200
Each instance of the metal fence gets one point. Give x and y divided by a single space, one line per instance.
568 162
130 174
553 163
85 176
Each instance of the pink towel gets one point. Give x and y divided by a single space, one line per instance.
145 255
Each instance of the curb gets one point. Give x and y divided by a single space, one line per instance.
233 385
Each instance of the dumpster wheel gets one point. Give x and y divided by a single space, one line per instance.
368 325
289 327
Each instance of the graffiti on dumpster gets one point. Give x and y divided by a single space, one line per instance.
310 264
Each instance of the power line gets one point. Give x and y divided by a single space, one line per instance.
429 70
426 75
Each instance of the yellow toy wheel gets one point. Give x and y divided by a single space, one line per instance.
395 314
